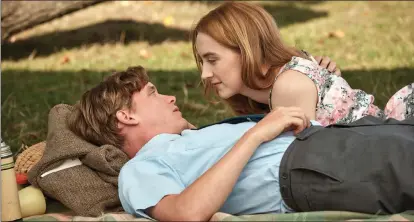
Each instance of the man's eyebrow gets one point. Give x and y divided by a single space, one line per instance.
208 54
151 89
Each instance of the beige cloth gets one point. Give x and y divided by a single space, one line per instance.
89 189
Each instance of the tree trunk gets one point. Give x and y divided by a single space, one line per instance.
17 16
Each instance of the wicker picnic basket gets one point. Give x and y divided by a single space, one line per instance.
29 157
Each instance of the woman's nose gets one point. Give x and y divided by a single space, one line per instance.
206 73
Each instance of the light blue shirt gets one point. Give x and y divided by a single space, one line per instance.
169 163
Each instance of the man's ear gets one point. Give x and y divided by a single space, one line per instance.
126 117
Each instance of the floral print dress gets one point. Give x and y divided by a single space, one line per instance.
339 103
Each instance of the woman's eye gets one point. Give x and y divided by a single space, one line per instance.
212 61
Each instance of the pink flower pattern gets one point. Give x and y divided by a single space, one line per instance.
339 103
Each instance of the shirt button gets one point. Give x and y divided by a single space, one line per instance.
283 189
284 176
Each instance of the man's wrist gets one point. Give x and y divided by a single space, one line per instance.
253 137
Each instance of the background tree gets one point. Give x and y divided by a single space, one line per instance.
17 16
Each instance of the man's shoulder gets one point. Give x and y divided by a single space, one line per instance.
157 146
161 151
142 164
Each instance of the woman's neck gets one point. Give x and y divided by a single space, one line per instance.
261 96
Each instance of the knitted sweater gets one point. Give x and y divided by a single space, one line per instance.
89 189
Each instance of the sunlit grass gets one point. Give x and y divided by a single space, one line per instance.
45 67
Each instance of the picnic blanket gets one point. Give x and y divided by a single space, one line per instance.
58 212
306 216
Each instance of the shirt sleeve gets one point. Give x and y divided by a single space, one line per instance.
315 123
142 184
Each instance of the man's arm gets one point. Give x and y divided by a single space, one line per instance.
207 194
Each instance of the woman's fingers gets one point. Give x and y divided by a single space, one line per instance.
327 63
332 66
338 72
318 59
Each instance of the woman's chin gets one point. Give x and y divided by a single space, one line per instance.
224 94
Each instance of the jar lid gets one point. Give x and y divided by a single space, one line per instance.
5 150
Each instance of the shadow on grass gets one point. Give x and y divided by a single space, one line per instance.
286 12
127 31
111 31
25 104
214 2
382 83
289 13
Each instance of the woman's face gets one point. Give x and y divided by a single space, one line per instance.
220 65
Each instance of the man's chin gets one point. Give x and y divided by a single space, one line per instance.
187 125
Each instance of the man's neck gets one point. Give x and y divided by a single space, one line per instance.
133 144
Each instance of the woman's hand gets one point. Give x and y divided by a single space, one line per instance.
279 120
327 63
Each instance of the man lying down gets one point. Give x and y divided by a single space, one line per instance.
282 163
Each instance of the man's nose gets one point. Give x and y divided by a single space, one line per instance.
171 99
206 73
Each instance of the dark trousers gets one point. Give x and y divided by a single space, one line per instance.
366 166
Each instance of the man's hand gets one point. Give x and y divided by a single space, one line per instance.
327 63
279 120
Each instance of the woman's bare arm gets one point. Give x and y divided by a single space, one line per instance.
293 88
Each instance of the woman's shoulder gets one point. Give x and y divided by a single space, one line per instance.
297 61
307 67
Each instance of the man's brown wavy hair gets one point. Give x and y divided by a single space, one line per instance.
94 118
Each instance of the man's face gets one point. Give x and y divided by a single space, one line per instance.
157 113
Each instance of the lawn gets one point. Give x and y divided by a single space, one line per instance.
373 43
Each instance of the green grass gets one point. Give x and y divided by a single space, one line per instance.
375 54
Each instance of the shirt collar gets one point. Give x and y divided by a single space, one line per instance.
158 141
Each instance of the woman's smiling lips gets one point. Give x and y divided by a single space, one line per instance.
216 83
